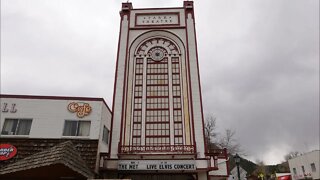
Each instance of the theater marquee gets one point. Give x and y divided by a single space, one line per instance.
159 165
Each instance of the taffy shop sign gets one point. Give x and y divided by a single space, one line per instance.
7 151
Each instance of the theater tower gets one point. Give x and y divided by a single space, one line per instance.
157 127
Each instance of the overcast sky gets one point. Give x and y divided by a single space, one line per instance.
259 62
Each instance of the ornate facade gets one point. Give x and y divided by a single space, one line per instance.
157 107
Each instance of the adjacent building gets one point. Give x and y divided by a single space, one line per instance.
305 166
33 124
234 174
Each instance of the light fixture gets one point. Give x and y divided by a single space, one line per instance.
237 160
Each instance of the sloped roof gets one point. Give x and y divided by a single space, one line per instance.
63 153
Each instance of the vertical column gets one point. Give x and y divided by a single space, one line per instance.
144 99
170 102
195 79
119 80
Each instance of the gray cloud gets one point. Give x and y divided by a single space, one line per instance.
264 75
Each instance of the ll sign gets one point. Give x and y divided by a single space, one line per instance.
7 151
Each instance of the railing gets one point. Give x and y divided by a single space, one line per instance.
214 155
176 149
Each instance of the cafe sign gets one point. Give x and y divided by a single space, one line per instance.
7 151
80 108
158 165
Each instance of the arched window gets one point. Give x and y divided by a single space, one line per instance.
157 110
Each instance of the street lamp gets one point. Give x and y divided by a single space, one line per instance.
237 160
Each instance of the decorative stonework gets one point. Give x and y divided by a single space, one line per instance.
165 45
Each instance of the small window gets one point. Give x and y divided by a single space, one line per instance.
16 127
313 167
105 136
76 128
294 171
303 170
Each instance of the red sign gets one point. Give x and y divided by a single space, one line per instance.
286 177
7 151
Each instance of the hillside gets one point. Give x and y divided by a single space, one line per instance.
253 169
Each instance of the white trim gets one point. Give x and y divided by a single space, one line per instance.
144 103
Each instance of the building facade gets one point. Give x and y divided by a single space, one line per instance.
306 166
33 124
158 124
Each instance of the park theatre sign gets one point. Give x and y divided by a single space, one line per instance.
159 165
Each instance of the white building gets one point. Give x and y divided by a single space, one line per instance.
234 174
306 166
44 121
158 124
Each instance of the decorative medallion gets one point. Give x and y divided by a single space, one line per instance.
157 54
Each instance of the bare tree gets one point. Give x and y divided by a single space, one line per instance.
210 128
228 141
216 140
